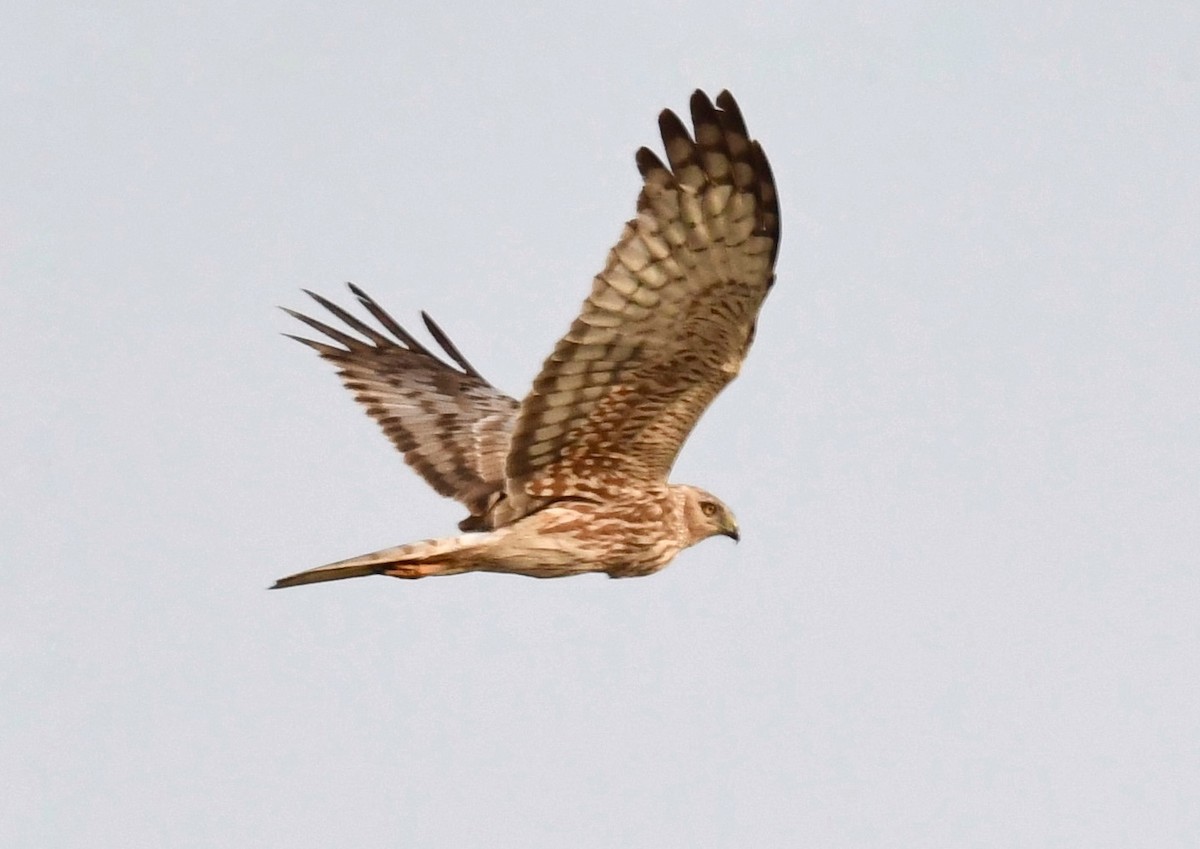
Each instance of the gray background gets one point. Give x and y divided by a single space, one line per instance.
964 451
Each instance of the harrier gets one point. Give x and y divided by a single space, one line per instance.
573 479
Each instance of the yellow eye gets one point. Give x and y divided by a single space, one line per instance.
708 508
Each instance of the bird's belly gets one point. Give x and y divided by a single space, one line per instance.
554 549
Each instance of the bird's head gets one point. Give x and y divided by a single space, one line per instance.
707 516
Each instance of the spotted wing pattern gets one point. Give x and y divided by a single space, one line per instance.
452 426
667 324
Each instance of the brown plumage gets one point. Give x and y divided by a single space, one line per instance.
573 478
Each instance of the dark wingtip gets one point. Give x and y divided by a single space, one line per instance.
448 346
648 162
670 126
732 114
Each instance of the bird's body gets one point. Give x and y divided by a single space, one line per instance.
626 535
573 479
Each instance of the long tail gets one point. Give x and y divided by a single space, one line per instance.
448 556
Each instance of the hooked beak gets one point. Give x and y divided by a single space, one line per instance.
731 531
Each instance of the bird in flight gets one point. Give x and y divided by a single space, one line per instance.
573 479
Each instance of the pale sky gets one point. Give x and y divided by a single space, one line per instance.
964 450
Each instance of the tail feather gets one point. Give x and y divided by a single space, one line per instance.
415 560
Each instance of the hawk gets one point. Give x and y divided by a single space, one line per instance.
573 479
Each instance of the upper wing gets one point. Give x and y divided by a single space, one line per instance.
667 324
452 426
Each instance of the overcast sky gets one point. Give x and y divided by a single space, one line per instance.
964 451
